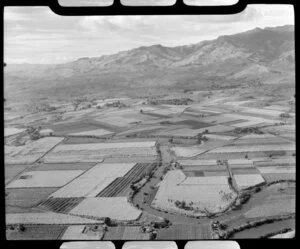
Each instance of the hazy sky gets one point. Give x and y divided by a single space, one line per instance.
88 245
212 245
37 35
150 245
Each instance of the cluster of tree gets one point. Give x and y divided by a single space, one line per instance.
184 205
200 138
19 228
181 101
161 224
285 115
117 104
247 130
34 133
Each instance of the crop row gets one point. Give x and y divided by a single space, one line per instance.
60 205
121 183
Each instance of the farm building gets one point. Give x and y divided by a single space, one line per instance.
46 132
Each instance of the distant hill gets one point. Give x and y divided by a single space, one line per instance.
264 55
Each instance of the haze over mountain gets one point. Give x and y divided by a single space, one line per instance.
263 56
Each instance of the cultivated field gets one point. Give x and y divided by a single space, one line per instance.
12 131
42 179
46 218
276 207
82 232
11 171
93 133
29 153
206 193
93 181
21 200
96 152
254 148
117 208
37 232
248 180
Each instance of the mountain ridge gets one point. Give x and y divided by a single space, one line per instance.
259 55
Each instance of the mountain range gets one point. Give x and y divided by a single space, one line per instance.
258 56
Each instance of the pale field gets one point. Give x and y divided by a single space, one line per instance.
278 108
204 192
250 118
187 151
102 146
219 137
257 136
260 159
97 132
195 150
252 141
94 180
254 148
248 124
46 218
240 161
277 170
218 119
12 131
96 152
248 180
287 235
30 152
78 232
45 179
238 103
190 162
268 112
72 158
116 208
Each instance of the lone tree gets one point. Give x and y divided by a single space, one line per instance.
199 138
107 221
